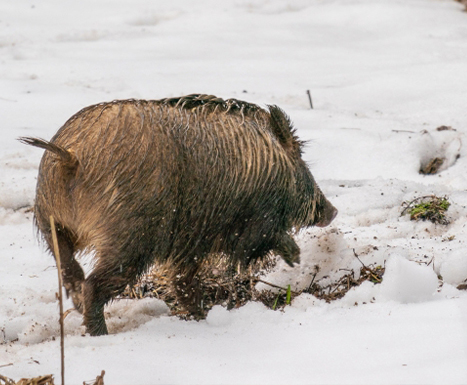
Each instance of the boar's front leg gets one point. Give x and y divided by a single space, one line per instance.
287 249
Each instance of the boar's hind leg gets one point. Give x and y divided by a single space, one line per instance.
72 273
288 249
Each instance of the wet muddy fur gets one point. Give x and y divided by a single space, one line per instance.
174 179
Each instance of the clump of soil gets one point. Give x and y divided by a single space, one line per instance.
431 208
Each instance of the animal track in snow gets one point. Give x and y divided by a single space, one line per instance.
151 18
82 36
439 149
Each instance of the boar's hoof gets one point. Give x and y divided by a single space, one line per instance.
288 250
96 327
291 260
77 298
75 291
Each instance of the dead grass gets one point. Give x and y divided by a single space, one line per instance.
233 289
42 380
348 281
47 380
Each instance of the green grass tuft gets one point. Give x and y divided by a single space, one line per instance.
431 208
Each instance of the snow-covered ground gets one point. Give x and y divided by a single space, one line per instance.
383 76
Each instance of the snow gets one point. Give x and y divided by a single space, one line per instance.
454 267
383 76
406 282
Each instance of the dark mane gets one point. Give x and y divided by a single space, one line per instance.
207 103
194 101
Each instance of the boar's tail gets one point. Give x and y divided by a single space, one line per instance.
66 156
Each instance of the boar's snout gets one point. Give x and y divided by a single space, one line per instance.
329 213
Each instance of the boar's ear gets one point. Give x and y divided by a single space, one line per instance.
283 129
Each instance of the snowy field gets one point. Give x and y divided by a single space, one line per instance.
383 76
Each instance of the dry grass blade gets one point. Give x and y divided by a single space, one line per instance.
98 381
6 381
42 380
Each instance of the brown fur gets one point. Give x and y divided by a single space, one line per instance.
172 179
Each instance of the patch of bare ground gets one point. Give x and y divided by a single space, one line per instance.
233 289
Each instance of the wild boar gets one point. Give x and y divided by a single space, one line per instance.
177 179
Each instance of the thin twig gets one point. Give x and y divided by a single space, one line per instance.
338 284
277 287
366 268
68 312
312 281
356 256
60 297
309 98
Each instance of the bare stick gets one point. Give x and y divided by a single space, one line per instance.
366 268
312 281
277 287
60 297
356 256
410 132
309 98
